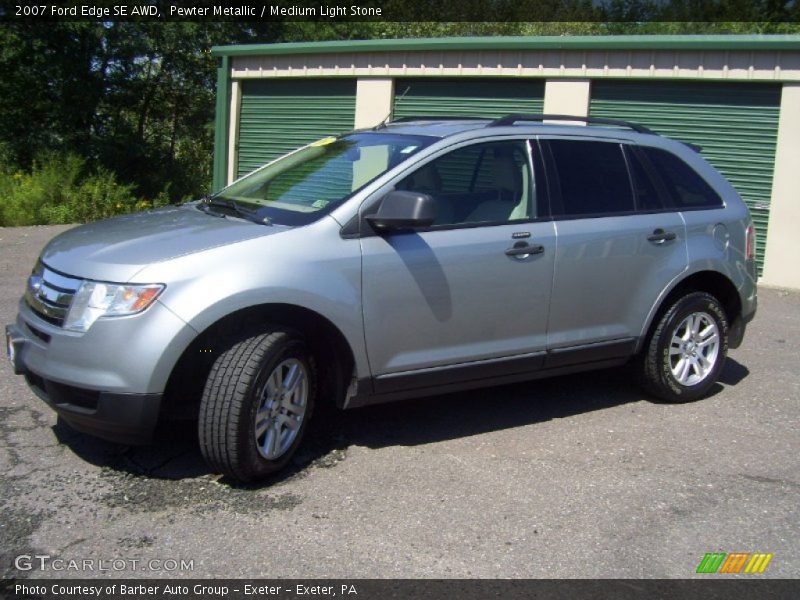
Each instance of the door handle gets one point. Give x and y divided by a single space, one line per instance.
659 236
522 249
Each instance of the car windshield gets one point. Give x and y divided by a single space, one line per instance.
302 186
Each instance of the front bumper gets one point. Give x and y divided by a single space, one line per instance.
119 417
109 381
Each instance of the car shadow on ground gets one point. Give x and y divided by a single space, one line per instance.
175 453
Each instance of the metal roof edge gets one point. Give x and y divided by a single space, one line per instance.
586 42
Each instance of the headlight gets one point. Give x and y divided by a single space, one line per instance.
94 300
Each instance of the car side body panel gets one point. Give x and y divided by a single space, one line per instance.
310 267
612 257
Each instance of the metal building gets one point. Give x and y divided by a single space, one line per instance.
738 97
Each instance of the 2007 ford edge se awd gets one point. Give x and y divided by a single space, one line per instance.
418 257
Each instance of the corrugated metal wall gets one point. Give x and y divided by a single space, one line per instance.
467 96
736 124
278 116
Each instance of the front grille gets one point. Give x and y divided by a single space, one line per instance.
49 293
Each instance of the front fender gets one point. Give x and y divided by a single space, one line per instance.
309 267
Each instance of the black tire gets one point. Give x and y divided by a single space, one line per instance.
232 395
655 363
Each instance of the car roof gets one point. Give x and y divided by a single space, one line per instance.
458 129
442 127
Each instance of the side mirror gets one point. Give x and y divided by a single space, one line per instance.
403 211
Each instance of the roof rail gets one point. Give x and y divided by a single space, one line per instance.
511 119
436 118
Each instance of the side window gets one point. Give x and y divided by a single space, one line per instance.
593 178
457 169
686 188
483 183
645 192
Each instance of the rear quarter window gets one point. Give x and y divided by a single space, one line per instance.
686 188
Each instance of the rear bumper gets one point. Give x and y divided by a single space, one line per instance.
118 417
739 326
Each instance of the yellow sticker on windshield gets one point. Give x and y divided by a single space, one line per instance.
324 141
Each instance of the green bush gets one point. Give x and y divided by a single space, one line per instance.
58 190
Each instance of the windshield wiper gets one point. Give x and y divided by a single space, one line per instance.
208 201
203 205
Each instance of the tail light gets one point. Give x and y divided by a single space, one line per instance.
750 242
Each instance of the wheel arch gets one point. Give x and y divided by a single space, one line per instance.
715 283
185 383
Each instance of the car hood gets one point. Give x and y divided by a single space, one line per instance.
118 248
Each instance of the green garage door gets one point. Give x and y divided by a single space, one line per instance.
469 97
736 124
278 116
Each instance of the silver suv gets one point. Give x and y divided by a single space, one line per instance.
423 256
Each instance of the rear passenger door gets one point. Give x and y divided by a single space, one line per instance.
618 246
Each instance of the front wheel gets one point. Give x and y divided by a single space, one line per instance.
256 405
687 351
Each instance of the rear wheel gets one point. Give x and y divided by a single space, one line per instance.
687 350
256 405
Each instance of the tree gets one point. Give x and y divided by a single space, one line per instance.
137 98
